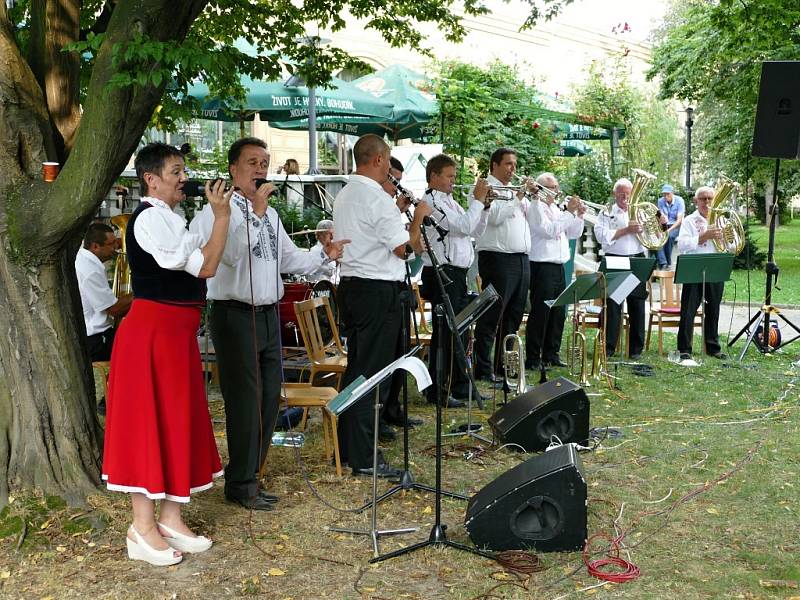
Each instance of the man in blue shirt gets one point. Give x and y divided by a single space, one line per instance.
673 208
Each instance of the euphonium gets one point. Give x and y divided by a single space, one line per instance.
724 216
514 364
645 213
122 270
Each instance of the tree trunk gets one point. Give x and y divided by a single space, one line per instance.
48 427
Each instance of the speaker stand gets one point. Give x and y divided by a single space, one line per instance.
762 317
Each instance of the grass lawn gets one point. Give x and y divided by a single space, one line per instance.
787 256
702 486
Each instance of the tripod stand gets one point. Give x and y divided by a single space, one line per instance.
407 481
762 317
437 537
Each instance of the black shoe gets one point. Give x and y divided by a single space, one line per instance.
555 362
685 356
454 403
475 395
257 503
268 497
412 422
489 378
534 365
719 355
385 471
385 432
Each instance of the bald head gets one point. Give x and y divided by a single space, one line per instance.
368 147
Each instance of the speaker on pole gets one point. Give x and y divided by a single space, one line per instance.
777 127
558 407
539 504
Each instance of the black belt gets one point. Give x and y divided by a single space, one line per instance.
245 306
364 280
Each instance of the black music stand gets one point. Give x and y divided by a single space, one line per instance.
438 537
351 394
712 267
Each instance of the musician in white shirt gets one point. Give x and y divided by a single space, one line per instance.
246 290
454 254
503 262
327 270
618 238
372 273
550 229
696 237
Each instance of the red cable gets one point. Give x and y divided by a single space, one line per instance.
597 568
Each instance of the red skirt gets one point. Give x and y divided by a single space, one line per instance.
158 440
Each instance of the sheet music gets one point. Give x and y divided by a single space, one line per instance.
624 288
618 263
411 364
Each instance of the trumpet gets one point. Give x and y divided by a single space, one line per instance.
514 363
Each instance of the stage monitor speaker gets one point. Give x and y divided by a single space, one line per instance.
777 129
539 504
557 407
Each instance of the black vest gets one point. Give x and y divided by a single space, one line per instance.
152 282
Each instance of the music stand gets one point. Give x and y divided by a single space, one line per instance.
613 285
712 267
438 537
351 394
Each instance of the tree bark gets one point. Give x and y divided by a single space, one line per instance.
49 435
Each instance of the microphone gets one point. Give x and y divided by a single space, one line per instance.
195 188
260 181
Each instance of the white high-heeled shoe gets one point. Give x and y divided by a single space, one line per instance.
186 543
141 550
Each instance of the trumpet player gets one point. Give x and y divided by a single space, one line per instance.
618 238
696 237
550 229
502 261
455 255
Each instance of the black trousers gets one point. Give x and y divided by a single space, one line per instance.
393 407
370 313
100 344
455 380
691 296
510 276
545 326
635 302
250 380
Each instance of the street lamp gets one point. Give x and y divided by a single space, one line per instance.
689 123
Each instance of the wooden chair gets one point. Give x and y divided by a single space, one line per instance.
327 361
424 328
666 312
306 396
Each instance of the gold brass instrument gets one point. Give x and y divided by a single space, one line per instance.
594 208
645 213
723 215
122 270
514 363
578 355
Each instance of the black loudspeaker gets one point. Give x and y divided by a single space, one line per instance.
539 504
777 130
557 407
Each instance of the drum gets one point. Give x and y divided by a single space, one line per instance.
292 292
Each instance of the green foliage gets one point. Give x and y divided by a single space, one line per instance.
588 177
751 256
485 108
709 54
653 139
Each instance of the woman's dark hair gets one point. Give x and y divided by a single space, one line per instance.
151 159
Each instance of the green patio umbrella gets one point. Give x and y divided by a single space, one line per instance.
408 92
275 101
572 148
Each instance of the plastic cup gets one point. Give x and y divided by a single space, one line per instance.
49 171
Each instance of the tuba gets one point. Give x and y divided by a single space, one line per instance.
514 364
645 213
723 215
122 270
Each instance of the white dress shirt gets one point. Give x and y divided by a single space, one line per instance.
161 232
551 227
367 216
507 228
456 248
692 228
96 294
270 249
608 221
